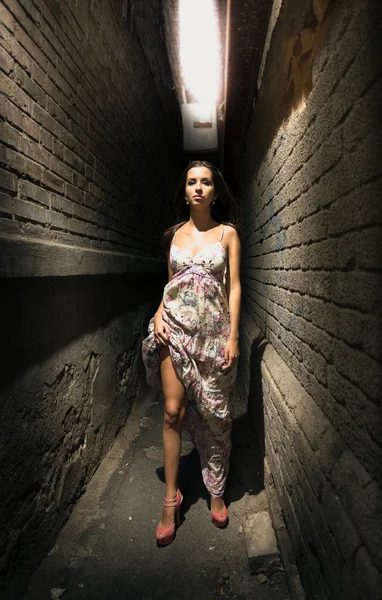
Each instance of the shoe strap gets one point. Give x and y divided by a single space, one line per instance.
171 502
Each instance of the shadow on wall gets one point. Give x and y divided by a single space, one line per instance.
72 370
301 49
47 314
256 398
293 83
248 437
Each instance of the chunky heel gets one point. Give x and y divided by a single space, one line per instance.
165 535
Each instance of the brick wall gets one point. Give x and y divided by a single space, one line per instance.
70 374
90 150
88 142
312 246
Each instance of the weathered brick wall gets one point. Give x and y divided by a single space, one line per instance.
87 137
70 374
90 149
311 177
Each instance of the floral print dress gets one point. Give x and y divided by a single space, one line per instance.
195 310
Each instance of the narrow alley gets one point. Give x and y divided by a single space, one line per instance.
103 103
106 550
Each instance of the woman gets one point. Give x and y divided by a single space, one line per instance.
192 348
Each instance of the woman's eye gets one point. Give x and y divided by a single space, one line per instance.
203 181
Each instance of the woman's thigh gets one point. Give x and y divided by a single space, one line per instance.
173 388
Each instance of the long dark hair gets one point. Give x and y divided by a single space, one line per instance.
226 209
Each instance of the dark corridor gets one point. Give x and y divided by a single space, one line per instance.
101 109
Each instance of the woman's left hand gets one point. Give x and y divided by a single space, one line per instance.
231 354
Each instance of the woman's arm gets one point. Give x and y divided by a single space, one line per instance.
160 331
234 297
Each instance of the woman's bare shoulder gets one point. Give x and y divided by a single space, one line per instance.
231 233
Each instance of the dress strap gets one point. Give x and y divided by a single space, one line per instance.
222 233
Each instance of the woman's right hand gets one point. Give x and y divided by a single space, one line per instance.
160 330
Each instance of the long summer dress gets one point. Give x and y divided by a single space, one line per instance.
195 310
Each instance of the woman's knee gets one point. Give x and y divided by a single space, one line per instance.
173 414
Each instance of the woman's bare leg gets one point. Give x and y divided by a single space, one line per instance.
174 411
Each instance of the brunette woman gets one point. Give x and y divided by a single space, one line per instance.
192 348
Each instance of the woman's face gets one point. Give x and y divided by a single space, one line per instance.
200 189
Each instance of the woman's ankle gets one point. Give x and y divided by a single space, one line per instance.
217 501
171 492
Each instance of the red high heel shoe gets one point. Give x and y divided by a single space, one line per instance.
165 535
220 519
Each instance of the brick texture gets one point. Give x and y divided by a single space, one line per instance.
312 250
89 119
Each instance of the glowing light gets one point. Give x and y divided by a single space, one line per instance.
199 49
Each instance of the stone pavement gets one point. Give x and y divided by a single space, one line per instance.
107 549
